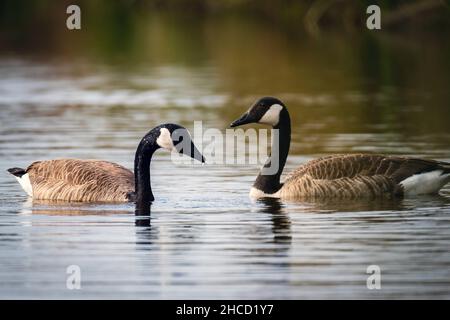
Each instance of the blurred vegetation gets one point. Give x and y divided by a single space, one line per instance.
292 49
310 15
40 24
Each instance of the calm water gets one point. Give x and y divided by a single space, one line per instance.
206 238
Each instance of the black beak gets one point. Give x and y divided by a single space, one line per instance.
196 154
186 146
241 121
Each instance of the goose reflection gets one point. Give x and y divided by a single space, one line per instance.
64 208
144 234
142 215
355 205
368 205
281 224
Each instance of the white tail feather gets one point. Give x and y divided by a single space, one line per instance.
425 183
25 183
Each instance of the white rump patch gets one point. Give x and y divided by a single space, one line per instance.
272 116
165 140
25 183
425 183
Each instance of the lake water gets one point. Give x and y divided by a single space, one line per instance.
205 238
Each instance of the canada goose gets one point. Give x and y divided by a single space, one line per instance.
338 176
103 181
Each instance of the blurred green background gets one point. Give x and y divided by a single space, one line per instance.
94 92
335 75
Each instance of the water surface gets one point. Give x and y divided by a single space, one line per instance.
205 238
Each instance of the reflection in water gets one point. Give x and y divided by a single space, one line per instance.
370 205
331 205
64 208
281 224
271 205
142 213
143 230
437 201
350 205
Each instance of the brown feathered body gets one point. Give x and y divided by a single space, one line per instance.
359 176
337 176
80 180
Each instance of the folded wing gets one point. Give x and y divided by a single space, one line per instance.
351 176
80 180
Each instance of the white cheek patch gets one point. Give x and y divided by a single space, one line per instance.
272 116
165 140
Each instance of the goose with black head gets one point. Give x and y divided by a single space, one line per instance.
338 176
104 181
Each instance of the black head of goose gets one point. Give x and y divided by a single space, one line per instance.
103 181
337 176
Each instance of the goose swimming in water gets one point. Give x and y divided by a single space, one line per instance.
103 181
337 176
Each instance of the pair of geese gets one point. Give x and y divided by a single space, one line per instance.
336 176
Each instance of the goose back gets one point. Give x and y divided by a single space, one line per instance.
357 176
80 180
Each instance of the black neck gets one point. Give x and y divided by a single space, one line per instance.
268 179
142 159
